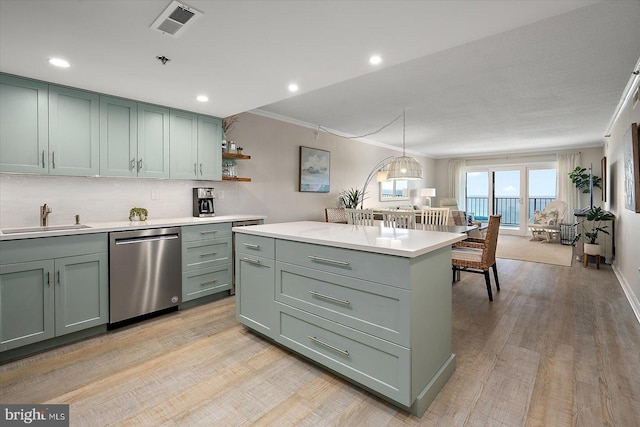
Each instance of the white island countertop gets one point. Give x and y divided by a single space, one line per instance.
105 227
379 239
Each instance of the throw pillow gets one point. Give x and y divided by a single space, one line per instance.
545 218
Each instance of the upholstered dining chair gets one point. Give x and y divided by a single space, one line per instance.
335 215
478 255
359 216
449 202
399 219
435 216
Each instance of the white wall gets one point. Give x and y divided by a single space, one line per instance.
627 232
274 149
588 155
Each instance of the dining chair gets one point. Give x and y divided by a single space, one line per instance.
478 255
335 215
359 216
435 216
399 219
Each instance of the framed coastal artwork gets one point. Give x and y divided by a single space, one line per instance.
314 170
632 168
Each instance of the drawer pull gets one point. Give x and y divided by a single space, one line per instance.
330 298
252 261
208 254
251 245
328 261
208 231
209 282
329 346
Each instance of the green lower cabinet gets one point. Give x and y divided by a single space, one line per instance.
82 292
207 281
255 282
26 303
50 287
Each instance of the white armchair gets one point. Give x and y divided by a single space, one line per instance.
545 225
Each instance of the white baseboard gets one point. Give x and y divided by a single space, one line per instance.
631 297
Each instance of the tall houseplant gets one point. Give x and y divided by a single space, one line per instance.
580 179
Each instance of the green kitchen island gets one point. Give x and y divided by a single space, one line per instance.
372 304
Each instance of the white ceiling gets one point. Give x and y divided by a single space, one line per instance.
476 77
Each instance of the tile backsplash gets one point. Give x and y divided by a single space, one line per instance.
94 199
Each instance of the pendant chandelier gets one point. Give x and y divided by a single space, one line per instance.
404 167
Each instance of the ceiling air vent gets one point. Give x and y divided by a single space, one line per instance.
175 18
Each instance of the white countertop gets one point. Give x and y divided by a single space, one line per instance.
105 227
379 239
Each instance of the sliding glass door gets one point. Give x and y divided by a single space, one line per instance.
514 192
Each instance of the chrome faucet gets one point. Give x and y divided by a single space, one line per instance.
44 215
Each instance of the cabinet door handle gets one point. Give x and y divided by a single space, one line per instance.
58 277
133 164
139 164
53 159
252 261
200 169
208 254
329 346
330 298
328 261
48 278
44 164
195 172
209 282
251 245
208 231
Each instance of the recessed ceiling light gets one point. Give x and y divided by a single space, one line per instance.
293 87
59 62
375 60
202 98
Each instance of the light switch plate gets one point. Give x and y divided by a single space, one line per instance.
155 194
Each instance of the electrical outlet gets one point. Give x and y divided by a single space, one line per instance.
220 194
155 194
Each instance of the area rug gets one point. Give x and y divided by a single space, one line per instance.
523 249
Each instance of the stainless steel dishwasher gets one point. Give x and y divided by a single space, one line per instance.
144 272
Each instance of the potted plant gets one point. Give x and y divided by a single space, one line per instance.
351 198
580 179
138 214
595 215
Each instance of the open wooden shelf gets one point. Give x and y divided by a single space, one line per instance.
228 178
235 156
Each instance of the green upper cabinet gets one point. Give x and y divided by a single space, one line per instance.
49 129
153 141
74 137
184 145
209 148
23 126
118 137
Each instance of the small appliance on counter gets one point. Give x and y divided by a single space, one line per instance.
203 202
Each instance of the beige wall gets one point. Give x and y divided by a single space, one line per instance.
627 264
274 166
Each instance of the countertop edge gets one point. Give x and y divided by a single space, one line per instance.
406 253
107 227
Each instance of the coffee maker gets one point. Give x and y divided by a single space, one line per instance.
203 202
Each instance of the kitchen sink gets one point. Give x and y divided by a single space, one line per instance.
44 229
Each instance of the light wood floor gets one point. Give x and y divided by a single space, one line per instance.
559 346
